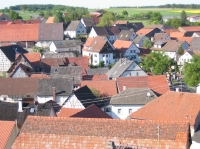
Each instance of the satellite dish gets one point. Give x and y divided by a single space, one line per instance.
148 94
36 103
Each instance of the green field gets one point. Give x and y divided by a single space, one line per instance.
26 14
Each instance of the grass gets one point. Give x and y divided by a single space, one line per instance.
26 14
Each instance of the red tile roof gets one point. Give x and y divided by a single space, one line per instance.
171 106
189 28
34 58
39 76
157 83
6 128
145 31
176 34
98 77
168 31
87 133
19 32
68 112
106 87
122 45
50 20
91 112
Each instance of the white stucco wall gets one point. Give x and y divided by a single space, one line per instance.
172 55
43 44
92 33
80 30
4 62
59 99
73 102
52 47
186 57
126 110
195 145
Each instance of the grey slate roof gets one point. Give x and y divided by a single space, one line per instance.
195 43
119 68
50 31
63 86
88 22
67 43
59 55
72 25
70 72
135 26
125 35
160 36
196 137
138 38
11 51
96 71
9 111
133 96
106 31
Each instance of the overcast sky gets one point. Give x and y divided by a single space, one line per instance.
97 3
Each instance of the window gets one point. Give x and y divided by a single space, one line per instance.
107 109
131 51
119 111
106 55
136 73
103 55
106 61
130 111
78 31
4 98
95 55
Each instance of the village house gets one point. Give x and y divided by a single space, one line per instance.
127 49
4 17
172 106
166 18
124 68
66 46
125 25
88 23
161 37
128 101
126 35
110 32
99 49
75 29
149 32
194 18
196 34
9 132
186 57
116 133
195 43
139 40
189 30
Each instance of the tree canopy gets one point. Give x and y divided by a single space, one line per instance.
156 17
148 43
107 19
14 15
58 17
175 22
191 72
157 63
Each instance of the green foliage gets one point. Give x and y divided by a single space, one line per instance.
107 19
148 43
157 63
58 17
175 22
183 16
180 50
95 92
111 65
38 49
191 72
14 15
3 75
101 64
41 13
125 13
47 14
156 17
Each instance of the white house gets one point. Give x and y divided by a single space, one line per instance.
196 34
74 29
186 57
65 46
128 101
193 18
139 40
81 99
127 49
110 32
99 49
125 68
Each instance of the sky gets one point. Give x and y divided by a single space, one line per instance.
97 3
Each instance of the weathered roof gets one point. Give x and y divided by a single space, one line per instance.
133 96
189 28
6 129
171 106
50 32
195 43
97 77
135 26
18 86
106 87
11 51
59 55
39 76
177 34
122 46
96 71
160 26
72 25
138 38
91 112
160 36
63 86
88 22
97 133
67 112
34 58
145 31
156 83
106 31
172 45
67 43
196 137
187 39
125 35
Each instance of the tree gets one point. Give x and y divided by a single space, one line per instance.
180 50
107 19
23 7
41 13
48 14
183 17
14 15
157 63
101 64
125 13
156 17
191 71
148 43
58 17
176 22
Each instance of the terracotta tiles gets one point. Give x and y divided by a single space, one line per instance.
157 83
171 106
68 112
50 20
39 76
144 31
187 39
189 28
6 128
122 46
176 34
19 32
86 133
106 87
34 58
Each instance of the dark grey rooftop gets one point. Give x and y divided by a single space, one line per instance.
96 71
59 55
72 25
195 43
138 38
67 43
125 35
133 96
88 22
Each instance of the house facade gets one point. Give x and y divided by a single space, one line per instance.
194 18
4 17
74 29
186 57
139 40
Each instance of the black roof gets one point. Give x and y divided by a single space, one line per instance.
136 26
11 51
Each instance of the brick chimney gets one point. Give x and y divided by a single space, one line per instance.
54 93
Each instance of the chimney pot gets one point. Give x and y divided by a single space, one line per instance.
54 93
